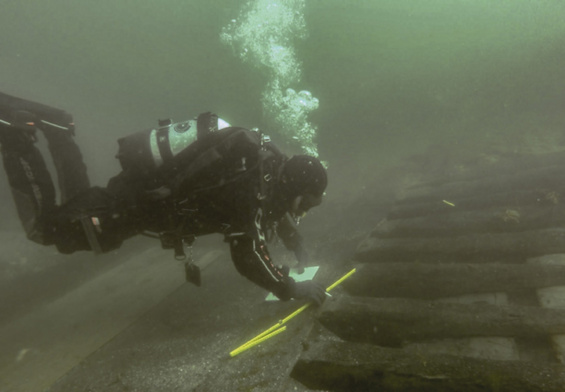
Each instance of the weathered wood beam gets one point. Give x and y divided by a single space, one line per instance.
345 366
541 197
492 220
507 164
431 281
477 247
537 178
392 321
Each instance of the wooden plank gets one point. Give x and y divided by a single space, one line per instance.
537 178
490 347
553 298
392 321
483 200
504 165
345 366
485 247
431 281
460 222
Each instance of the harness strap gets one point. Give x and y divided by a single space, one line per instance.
164 145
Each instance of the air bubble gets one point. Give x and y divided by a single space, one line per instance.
263 35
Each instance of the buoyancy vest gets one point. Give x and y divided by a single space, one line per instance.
209 163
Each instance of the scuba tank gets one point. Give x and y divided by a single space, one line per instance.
145 151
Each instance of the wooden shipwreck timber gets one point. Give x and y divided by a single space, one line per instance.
460 288
440 280
392 321
345 366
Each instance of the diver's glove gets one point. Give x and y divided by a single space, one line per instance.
312 291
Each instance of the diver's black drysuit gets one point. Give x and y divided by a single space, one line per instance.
224 182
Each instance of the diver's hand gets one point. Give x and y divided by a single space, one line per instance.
312 291
298 270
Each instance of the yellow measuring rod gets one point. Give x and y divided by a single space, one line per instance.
256 341
276 329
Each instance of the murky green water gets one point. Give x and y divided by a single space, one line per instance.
391 76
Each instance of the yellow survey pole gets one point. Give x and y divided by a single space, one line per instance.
338 282
277 327
255 342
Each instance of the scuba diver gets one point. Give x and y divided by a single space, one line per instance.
178 181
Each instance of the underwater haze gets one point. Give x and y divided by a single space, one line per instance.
387 78
388 93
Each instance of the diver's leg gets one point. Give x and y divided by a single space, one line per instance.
30 182
94 220
58 127
71 170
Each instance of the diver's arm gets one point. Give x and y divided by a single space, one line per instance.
252 260
251 257
292 239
